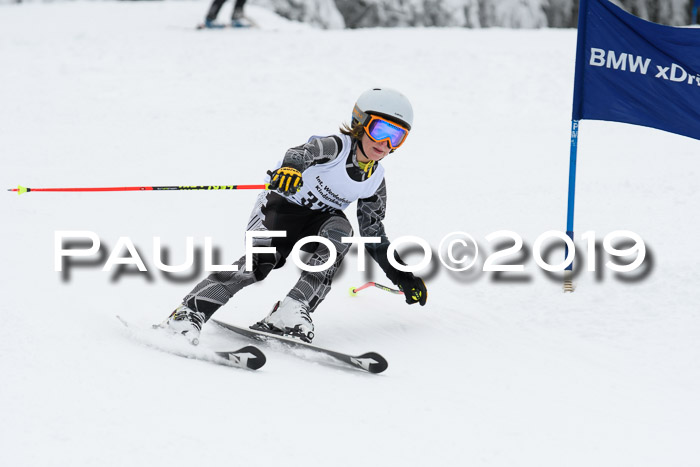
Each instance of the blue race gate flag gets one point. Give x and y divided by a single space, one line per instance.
632 71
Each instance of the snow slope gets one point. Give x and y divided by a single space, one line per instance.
491 372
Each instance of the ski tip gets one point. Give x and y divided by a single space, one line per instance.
258 361
378 365
246 357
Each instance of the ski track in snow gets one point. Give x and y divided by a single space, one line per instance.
489 373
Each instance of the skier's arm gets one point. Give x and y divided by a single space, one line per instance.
316 151
287 179
370 214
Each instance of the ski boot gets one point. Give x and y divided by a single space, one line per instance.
288 318
238 20
209 24
240 23
186 322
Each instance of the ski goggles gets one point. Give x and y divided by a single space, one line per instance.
380 130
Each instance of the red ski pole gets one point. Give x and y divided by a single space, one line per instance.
20 189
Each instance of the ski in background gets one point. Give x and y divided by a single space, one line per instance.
245 23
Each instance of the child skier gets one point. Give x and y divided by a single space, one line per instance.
309 190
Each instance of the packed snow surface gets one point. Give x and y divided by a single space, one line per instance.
496 370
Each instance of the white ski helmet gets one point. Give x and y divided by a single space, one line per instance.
384 102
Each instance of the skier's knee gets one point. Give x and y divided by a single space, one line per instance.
264 263
336 228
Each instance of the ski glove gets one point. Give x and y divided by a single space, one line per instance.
413 288
286 180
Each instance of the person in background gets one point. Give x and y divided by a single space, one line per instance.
238 19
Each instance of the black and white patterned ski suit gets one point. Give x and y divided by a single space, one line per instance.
332 179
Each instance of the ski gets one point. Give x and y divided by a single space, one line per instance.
245 24
248 357
371 362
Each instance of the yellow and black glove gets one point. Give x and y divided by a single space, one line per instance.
286 180
413 288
